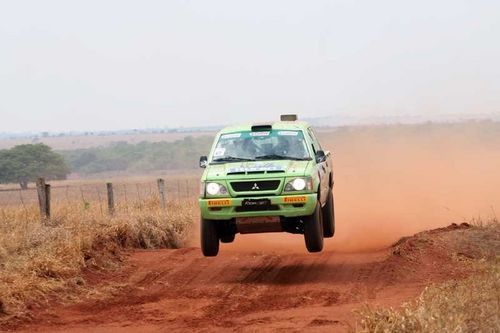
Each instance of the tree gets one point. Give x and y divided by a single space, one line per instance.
24 163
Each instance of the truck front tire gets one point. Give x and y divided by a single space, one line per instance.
227 237
313 230
209 238
329 216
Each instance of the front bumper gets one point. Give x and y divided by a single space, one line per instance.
283 205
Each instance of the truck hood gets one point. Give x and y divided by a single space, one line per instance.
257 169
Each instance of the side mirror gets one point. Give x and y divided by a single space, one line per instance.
203 161
320 156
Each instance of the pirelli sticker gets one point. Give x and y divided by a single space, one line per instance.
219 202
295 199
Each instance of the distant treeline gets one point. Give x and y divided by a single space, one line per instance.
183 154
141 157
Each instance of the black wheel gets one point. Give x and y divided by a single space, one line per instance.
209 238
329 217
227 237
313 230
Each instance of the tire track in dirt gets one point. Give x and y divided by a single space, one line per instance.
179 290
252 285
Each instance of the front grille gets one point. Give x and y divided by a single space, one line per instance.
253 195
260 185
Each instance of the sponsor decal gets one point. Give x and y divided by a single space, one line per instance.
231 136
235 170
288 133
257 167
259 133
295 199
219 202
219 152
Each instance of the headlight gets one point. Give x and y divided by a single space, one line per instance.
299 184
216 189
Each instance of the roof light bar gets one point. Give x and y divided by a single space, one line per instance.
288 117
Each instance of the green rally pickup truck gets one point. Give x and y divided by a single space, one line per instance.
272 177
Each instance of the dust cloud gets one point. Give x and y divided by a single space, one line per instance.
393 181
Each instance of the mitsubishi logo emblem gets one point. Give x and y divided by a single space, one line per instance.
255 187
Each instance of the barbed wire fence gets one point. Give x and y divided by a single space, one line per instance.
126 195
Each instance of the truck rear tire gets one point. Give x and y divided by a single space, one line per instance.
313 230
209 238
329 217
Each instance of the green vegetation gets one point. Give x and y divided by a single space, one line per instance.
24 163
141 157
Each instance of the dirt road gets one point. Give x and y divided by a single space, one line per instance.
179 290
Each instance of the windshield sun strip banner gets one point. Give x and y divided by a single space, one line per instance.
248 134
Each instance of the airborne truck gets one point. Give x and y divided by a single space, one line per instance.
272 177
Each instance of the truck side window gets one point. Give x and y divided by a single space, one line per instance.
314 141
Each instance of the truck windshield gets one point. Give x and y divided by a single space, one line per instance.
260 146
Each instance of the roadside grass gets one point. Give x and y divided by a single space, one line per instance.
41 263
468 305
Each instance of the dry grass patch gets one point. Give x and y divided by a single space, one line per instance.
39 263
469 305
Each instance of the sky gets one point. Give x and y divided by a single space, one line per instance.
97 65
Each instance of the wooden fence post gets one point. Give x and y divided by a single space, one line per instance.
161 189
111 199
47 201
43 198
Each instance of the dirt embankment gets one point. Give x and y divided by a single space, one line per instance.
179 290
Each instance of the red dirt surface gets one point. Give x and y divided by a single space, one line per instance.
179 290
